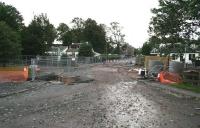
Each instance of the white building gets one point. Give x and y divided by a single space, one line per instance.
71 51
188 57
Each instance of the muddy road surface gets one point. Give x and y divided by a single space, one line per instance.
112 100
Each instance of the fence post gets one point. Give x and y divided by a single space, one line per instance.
33 69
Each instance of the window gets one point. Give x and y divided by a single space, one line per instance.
173 57
191 56
182 58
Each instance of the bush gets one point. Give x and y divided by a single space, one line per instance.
110 56
85 50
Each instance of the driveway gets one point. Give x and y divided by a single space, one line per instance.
113 99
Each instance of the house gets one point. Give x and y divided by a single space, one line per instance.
59 50
186 56
72 51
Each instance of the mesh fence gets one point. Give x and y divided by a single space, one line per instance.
16 61
41 66
45 65
14 69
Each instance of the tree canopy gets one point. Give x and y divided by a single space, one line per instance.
77 29
176 23
116 37
103 39
95 35
65 35
85 50
38 37
11 24
10 46
146 48
11 16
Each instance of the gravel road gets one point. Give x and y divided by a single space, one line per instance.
112 100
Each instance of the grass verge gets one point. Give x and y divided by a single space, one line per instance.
188 86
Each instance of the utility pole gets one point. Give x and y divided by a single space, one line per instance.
106 50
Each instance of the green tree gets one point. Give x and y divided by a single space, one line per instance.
176 24
191 25
62 28
167 22
96 35
65 34
11 16
38 37
11 24
117 50
85 50
146 48
10 46
77 29
137 51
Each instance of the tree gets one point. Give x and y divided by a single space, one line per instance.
10 46
85 50
192 17
77 29
109 45
117 36
38 37
176 23
96 35
146 48
11 16
127 49
137 51
11 24
62 28
117 50
166 24
65 34
191 26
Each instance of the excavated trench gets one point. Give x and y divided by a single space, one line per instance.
65 79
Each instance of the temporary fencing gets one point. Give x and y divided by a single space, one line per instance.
169 78
71 66
36 67
13 74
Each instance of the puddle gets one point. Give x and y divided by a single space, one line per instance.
70 80
64 79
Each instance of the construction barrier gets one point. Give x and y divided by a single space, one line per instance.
169 78
13 74
192 76
164 60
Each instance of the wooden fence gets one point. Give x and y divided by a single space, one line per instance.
192 76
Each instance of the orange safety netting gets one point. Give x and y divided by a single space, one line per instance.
13 74
169 78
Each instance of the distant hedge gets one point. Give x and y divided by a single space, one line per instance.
110 56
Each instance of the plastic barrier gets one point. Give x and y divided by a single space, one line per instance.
169 78
13 74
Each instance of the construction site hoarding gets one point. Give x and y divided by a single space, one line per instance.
163 60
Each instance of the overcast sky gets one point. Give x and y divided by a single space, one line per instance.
133 15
